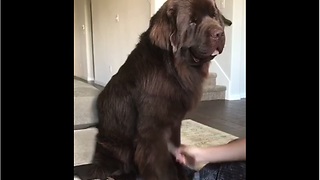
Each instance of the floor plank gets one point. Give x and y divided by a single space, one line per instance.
224 115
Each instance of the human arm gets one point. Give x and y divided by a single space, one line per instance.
196 157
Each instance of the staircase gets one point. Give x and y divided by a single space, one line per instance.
211 90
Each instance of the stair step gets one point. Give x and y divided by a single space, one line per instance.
218 92
210 81
84 144
214 88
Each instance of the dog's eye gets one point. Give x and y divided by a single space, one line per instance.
212 14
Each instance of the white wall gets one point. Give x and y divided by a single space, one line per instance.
237 84
83 62
114 40
230 65
155 5
222 63
110 51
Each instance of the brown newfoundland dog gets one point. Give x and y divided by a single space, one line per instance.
141 108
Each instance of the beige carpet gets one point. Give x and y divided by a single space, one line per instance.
200 135
194 133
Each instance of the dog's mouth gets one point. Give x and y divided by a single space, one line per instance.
203 58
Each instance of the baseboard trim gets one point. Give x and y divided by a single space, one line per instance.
99 83
234 97
243 95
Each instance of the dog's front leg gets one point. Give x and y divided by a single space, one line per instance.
152 157
175 142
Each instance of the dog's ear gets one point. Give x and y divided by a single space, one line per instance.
162 25
226 21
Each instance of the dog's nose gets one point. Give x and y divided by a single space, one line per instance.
216 33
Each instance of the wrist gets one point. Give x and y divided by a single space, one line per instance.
203 155
212 154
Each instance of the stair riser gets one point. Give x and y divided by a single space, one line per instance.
208 96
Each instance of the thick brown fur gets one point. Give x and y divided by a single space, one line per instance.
141 108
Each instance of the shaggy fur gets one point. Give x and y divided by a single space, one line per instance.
141 108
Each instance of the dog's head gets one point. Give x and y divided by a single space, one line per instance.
193 29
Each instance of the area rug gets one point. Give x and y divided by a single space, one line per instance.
200 135
194 133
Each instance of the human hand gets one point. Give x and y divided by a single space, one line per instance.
190 156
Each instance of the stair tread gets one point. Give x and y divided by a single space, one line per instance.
215 88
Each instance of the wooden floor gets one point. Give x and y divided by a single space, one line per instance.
227 116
